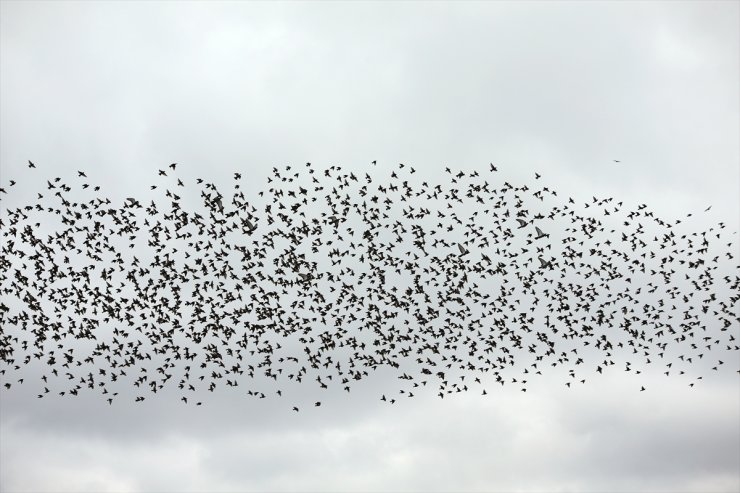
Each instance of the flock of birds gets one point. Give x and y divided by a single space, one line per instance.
450 287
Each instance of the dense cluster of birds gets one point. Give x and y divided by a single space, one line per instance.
450 287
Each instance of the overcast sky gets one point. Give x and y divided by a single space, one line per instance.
122 89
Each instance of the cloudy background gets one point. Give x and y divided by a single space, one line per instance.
122 89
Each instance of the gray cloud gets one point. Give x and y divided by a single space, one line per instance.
588 440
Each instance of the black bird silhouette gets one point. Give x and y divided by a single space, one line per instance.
324 277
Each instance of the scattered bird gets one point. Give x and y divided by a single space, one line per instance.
324 277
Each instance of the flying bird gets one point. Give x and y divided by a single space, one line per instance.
544 264
322 278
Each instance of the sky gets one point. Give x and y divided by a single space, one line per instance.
121 89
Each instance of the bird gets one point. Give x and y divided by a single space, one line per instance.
540 234
321 278
30 164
